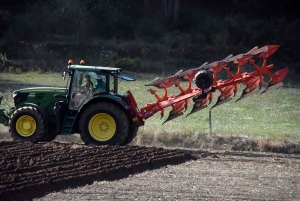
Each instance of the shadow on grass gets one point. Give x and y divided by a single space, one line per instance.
218 154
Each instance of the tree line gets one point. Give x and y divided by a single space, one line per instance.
204 23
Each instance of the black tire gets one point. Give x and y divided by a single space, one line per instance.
203 79
131 135
27 124
50 135
103 124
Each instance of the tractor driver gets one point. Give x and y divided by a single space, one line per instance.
87 82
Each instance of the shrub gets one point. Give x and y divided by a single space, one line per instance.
129 64
110 60
18 70
13 70
3 58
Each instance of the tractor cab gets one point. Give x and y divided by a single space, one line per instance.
88 82
84 85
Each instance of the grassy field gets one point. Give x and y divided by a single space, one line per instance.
273 115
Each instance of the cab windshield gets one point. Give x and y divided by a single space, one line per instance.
84 85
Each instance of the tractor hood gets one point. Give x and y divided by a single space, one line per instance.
41 90
45 97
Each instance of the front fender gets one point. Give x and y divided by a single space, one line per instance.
41 110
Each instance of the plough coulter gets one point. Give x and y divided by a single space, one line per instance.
205 78
91 105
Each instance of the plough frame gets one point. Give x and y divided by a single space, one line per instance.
205 78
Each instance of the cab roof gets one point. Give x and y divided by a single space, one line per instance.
111 70
108 70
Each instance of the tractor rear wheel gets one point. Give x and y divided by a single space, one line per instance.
203 79
103 124
27 124
131 134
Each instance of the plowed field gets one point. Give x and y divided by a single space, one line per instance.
33 170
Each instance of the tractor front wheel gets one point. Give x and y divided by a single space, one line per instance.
27 124
50 135
103 124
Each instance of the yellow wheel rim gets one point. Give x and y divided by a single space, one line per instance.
26 126
102 127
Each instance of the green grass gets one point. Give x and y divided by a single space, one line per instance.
274 115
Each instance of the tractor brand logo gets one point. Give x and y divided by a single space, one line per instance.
39 95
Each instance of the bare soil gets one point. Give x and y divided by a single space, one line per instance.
32 170
68 171
214 176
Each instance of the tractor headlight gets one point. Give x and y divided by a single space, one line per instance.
20 97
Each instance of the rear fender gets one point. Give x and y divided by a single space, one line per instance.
121 103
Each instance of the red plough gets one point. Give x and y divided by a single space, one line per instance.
205 78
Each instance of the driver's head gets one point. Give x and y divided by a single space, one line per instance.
87 77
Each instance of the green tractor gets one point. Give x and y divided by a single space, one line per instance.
89 105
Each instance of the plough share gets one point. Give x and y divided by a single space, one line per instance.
205 78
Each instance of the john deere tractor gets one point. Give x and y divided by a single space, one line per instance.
89 105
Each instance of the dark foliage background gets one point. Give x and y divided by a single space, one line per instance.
152 35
